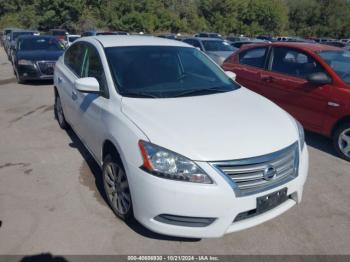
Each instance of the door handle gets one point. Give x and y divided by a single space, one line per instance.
59 79
74 95
266 78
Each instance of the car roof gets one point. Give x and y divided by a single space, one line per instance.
205 38
135 40
23 30
313 47
36 36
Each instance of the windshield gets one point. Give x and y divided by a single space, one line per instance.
164 72
40 43
217 46
15 35
339 61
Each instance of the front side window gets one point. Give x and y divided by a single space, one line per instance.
339 61
74 57
164 72
92 66
254 57
293 62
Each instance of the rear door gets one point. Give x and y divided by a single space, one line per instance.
286 84
251 65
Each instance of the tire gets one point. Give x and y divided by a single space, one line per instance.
341 141
19 79
116 187
59 115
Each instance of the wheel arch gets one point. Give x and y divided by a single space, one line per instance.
343 120
110 148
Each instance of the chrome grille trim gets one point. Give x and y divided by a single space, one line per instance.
42 66
246 175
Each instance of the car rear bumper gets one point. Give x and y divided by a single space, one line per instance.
216 204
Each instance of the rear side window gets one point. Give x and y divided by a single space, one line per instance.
293 62
254 57
74 57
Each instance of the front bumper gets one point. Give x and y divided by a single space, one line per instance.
153 196
31 72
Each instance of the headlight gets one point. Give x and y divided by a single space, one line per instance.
167 164
301 135
25 62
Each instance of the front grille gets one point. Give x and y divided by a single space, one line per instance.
258 174
46 67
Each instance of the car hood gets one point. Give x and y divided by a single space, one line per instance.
40 55
222 54
225 126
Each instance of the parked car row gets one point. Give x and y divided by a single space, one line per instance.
32 55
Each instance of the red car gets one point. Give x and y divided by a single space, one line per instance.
310 81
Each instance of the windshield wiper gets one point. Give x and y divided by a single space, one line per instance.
139 94
203 91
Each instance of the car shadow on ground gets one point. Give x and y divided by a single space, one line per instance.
320 142
38 82
44 257
96 172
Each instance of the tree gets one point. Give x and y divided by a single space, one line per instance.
249 17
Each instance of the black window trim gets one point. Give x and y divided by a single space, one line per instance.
271 57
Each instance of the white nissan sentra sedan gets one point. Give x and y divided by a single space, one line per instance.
183 148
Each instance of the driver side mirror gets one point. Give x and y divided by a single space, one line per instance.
87 85
231 75
319 78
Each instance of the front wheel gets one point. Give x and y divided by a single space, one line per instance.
59 115
116 187
19 79
341 141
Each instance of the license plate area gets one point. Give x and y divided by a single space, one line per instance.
271 201
50 65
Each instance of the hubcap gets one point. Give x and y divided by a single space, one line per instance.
117 188
59 111
344 142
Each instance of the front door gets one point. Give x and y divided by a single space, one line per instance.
286 84
90 107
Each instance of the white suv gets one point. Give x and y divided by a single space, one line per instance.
183 148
